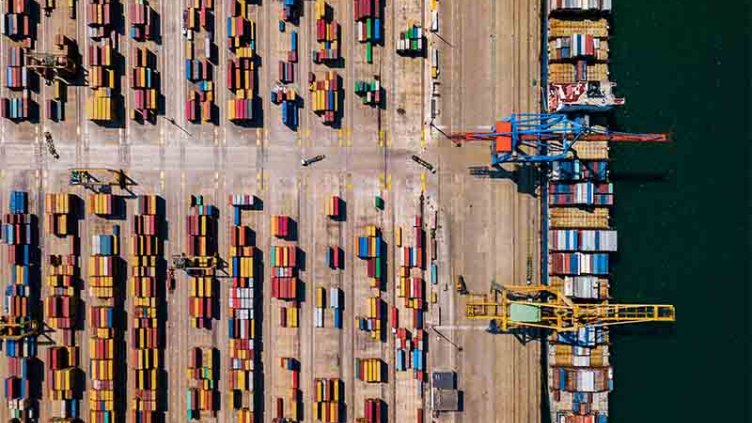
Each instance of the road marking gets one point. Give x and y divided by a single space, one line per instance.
459 327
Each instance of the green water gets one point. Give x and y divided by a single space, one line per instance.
683 239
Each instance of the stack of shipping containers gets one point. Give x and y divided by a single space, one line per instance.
101 204
371 370
146 289
327 34
202 397
241 69
295 397
100 103
198 20
21 294
55 104
335 259
201 245
411 41
143 82
373 411
325 95
140 13
328 400
105 332
17 27
580 239
285 288
241 322
63 284
368 23
286 96
285 282
410 351
372 249
282 94
369 91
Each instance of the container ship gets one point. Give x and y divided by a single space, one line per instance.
580 237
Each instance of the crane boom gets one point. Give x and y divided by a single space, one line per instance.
539 138
545 307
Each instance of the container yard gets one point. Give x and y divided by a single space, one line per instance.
243 211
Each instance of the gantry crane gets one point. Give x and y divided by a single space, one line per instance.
541 138
14 331
197 263
107 179
50 65
544 307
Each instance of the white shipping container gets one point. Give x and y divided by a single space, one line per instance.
581 361
434 20
243 314
334 297
318 317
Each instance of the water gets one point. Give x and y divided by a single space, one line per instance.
680 65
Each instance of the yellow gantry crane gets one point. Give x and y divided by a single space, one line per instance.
99 179
544 307
14 331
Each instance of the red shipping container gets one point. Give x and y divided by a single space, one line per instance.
283 317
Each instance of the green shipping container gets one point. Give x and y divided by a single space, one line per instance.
378 268
369 52
379 203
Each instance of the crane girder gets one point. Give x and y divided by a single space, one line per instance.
14 331
544 307
540 138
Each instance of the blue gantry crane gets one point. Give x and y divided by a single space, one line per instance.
542 138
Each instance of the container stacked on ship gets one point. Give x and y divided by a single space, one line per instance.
580 237
578 78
